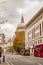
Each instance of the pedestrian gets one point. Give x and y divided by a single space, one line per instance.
3 58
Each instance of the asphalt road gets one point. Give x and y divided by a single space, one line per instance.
24 60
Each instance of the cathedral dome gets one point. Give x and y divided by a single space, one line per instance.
21 25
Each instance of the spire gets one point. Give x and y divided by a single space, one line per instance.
22 19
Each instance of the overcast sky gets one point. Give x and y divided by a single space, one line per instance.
12 10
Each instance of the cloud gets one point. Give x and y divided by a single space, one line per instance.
12 10
8 30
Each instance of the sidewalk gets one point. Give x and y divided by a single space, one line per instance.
3 63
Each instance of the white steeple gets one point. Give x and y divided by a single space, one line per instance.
22 19
21 25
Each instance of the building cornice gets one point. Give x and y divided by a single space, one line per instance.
35 17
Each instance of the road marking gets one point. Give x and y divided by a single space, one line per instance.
39 64
9 62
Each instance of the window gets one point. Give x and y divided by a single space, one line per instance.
33 33
30 35
37 31
37 34
40 29
40 40
37 28
38 49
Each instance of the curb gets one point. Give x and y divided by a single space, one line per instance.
32 56
35 57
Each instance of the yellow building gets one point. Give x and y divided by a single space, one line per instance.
34 31
20 33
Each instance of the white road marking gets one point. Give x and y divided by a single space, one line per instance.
9 62
39 64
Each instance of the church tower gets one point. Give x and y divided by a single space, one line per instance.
22 19
20 32
21 25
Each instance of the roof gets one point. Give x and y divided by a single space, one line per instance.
35 16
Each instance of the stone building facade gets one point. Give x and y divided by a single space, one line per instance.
34 31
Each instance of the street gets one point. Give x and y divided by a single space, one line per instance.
24 60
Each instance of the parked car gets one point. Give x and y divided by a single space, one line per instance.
27 52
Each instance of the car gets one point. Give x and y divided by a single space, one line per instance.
27 53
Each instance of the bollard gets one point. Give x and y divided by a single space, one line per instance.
3 58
